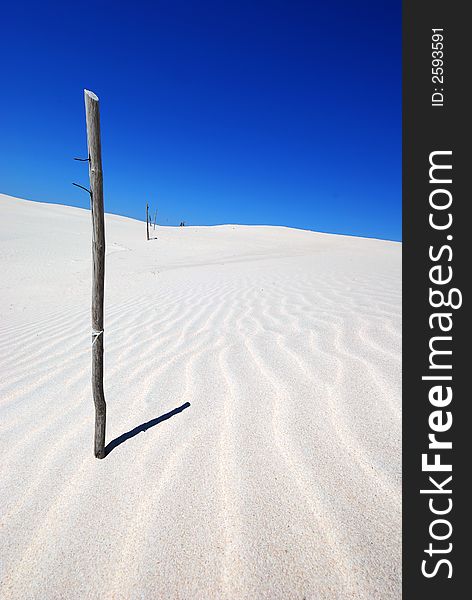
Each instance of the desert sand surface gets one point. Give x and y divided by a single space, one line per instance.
256 373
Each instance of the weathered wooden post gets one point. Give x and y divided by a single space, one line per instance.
147 221
92 115
155 217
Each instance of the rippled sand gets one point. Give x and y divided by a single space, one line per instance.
273 356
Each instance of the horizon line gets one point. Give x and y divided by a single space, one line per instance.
369 237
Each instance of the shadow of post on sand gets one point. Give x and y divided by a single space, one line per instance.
143 427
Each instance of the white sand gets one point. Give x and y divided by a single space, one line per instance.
281 480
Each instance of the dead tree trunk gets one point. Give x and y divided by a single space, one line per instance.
92 114
147 221
155 217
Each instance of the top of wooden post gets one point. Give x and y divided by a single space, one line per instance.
91 95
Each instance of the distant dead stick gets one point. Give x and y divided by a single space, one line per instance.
155 217
92 115
147 221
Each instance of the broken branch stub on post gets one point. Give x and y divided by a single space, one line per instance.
92 115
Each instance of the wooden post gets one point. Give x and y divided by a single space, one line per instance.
155 217
147 221
92 115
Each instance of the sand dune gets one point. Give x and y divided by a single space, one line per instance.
272 356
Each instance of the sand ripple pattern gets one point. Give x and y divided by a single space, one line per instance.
280 480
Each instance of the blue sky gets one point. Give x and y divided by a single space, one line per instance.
283 113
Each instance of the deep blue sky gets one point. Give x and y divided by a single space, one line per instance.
215 112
